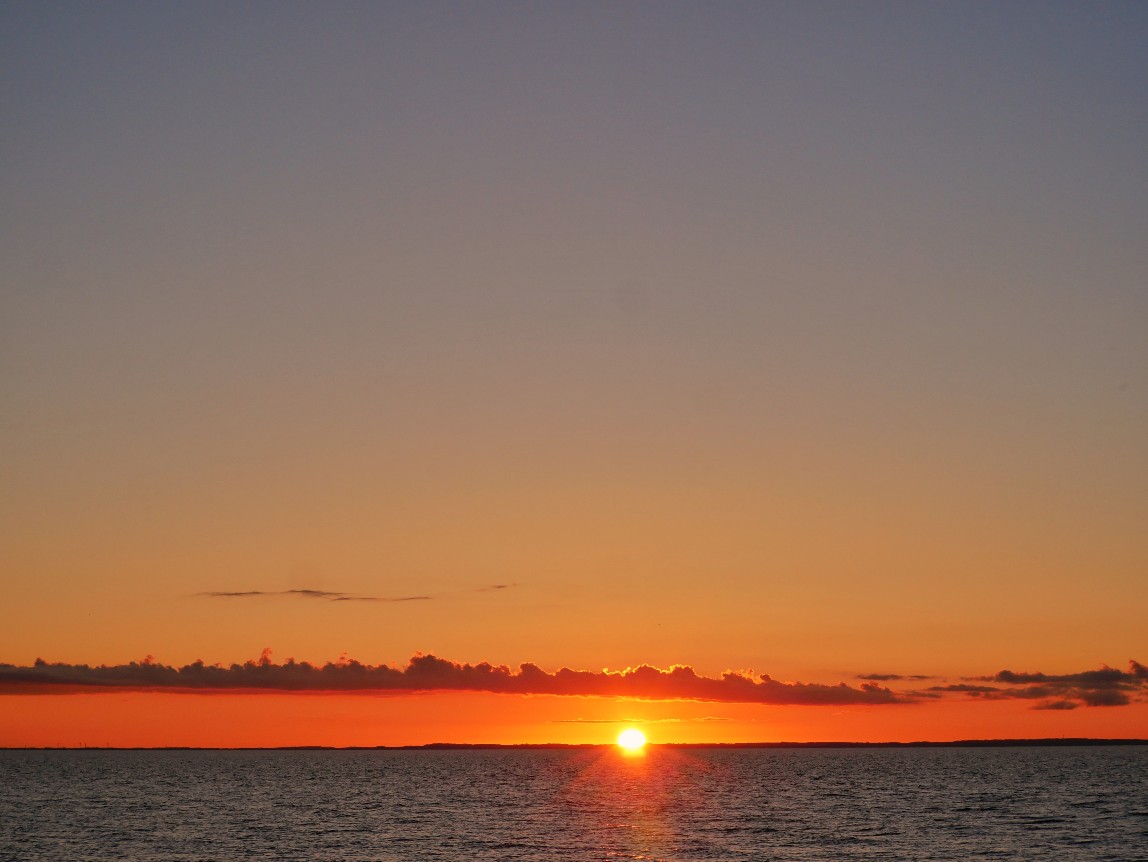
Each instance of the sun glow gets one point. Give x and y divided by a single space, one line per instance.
631 739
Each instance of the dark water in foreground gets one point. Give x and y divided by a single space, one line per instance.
831 804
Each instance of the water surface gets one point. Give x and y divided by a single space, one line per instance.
706 805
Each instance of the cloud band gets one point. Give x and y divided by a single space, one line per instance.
427 673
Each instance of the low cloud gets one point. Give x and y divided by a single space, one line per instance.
428 673
1105 686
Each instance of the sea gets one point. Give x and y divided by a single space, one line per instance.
544 805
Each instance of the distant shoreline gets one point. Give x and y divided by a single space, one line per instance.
561 746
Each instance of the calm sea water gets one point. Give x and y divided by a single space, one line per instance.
832 804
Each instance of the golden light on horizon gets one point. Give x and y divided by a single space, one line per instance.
631 740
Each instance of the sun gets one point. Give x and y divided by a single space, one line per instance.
631 739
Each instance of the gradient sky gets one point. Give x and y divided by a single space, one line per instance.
801 338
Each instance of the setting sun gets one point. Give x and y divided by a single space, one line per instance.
631 739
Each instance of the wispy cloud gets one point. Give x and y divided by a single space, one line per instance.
1058 704
693 720
893 677
326 595
330 596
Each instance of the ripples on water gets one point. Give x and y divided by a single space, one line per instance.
597 804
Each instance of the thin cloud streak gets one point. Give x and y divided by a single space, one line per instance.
337 596
312 594
699 719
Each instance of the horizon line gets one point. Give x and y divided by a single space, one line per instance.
479 746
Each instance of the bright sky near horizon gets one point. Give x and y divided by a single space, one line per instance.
800 338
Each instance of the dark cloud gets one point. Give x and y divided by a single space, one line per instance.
381 599
426 673
492 587
1105 697
893 677
1105 686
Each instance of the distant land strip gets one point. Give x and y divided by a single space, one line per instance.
558 746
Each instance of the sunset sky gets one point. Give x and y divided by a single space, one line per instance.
805 340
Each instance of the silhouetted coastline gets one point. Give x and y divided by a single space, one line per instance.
545 746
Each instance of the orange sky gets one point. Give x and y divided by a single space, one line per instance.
269 704
140 719
579 336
